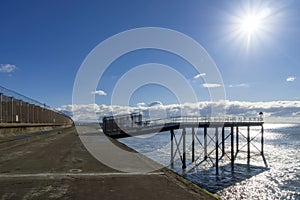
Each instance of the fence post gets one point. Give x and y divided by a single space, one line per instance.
28 109
1 108
12 109
4 108
9 118
20 111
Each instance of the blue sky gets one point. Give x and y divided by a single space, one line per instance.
43 44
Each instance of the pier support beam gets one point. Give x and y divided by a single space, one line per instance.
248 145
262 140
232 148
183 149
223 141
217 150
262 146
237 140
205 143
193 145
172 148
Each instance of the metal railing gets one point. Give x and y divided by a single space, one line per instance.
198 119
215 119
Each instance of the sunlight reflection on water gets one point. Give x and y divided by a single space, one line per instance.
280 181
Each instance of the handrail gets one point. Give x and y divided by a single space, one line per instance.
215 119
192 119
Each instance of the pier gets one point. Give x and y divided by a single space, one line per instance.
217 132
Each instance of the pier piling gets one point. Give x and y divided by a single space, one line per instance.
248 145
172 147
232 147
217 150
183 149
205 143
193 144
237 141
223 141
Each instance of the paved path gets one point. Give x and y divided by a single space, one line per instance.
57 166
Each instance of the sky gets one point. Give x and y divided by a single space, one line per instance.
255 46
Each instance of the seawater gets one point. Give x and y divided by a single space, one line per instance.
280 180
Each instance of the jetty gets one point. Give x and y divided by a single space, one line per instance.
216 130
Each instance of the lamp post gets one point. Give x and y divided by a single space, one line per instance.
261 116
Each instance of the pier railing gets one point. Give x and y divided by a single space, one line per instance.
199 119
215 119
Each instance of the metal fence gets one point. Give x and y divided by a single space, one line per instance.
17 108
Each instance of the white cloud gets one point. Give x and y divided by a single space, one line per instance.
141 104
99 92
7 68
211 85
278 111
239 85
290 78
199 75
92 112
155 103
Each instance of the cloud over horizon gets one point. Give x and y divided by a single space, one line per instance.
273 110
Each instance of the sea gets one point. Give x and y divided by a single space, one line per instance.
278 178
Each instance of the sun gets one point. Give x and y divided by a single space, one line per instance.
250 24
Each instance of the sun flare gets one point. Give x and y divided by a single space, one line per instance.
250 24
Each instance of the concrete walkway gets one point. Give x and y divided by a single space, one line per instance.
58 166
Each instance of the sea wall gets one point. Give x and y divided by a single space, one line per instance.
15 129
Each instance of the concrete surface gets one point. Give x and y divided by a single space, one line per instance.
56 165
